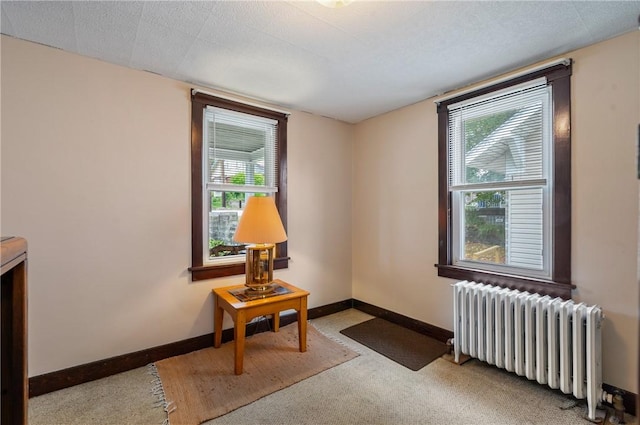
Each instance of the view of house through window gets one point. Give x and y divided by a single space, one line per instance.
484 211
484 226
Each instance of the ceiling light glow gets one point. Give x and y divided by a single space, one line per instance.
334 3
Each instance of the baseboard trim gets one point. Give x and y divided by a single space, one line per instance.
416 325
60 379
53 381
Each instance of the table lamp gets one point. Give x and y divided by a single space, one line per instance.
260 225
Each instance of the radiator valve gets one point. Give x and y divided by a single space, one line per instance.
607 397
618 406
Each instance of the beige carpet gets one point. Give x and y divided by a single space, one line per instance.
202 385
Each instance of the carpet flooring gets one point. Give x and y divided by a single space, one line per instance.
202 385
411 349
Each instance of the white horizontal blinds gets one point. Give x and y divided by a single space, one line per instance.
241 152
498 138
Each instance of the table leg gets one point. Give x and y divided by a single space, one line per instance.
218 316
276 321
302 324
239 333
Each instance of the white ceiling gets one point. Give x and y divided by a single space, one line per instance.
349 63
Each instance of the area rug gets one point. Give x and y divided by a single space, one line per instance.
200 386
411 349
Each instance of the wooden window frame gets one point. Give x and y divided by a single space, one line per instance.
559 77
199 101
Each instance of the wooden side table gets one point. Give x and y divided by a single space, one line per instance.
243 311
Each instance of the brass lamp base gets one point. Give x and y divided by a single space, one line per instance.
259 268
263 290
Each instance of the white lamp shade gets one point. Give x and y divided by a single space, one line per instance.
260 222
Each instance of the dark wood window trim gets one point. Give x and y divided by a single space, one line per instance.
199 101
559 77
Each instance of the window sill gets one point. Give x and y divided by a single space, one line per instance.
212 272
533 285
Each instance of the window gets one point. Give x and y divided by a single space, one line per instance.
237 151
505 183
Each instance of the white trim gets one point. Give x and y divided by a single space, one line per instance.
504 185
205 203
523 272
239 100
246 188
460 92
227 259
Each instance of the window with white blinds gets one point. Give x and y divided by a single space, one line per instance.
238 150
240 161
499 179
504 182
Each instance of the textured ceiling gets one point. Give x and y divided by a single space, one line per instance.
349 63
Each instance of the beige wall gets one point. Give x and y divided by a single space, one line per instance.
395 205
606 114
96 176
